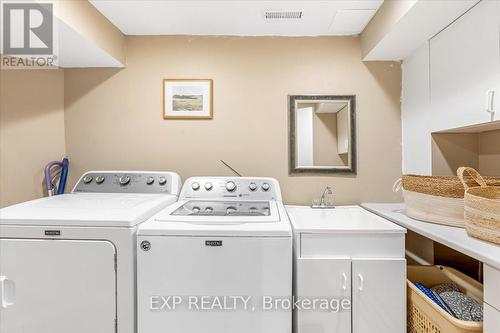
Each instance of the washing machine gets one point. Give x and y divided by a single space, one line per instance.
217 261
68 262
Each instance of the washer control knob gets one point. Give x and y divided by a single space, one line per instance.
124 180
252 186
208 186
195 186
266 187
145 245
230 186
150 180
162 180
99 179
87 179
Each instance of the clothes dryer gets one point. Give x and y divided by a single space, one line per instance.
68 262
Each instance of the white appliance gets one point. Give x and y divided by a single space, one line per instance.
68 262
349 254
224 238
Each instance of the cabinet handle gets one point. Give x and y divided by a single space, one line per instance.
361 282
490 97
344 281
6 296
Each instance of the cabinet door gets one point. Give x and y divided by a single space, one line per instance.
491 319
57 286
416 113
323 279
464 66
491 286
379 295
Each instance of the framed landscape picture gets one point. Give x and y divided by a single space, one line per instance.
187 99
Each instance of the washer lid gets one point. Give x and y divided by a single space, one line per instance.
223 208
87 209
220 212
226 218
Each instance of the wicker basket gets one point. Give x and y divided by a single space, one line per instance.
425 316
438 199
482 207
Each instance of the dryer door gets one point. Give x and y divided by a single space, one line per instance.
57 286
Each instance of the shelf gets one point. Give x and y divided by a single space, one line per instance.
455 238
479 128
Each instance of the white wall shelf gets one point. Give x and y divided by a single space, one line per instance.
457 239
453 237
480 128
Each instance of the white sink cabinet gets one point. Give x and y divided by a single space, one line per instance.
348 253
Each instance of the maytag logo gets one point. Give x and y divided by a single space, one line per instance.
213 243
52 232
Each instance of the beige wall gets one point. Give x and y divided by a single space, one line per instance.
325 140
31 130
84 18
386 17
114 117
453 150
489 153
477 150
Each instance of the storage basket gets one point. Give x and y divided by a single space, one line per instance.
425 316
482 207
438 199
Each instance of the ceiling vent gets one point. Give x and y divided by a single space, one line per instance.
285 14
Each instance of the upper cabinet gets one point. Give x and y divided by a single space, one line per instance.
465 69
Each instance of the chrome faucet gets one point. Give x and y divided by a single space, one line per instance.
324 202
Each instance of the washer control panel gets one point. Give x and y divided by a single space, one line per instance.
128 182
245 188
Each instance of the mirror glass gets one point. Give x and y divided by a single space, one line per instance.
322 134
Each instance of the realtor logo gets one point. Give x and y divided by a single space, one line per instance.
27 35
28 28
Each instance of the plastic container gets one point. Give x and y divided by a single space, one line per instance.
425 316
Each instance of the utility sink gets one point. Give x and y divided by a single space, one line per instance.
350 219
349 253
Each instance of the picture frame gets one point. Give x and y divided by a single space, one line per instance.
188 99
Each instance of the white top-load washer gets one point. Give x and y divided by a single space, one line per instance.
68 262
219 260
